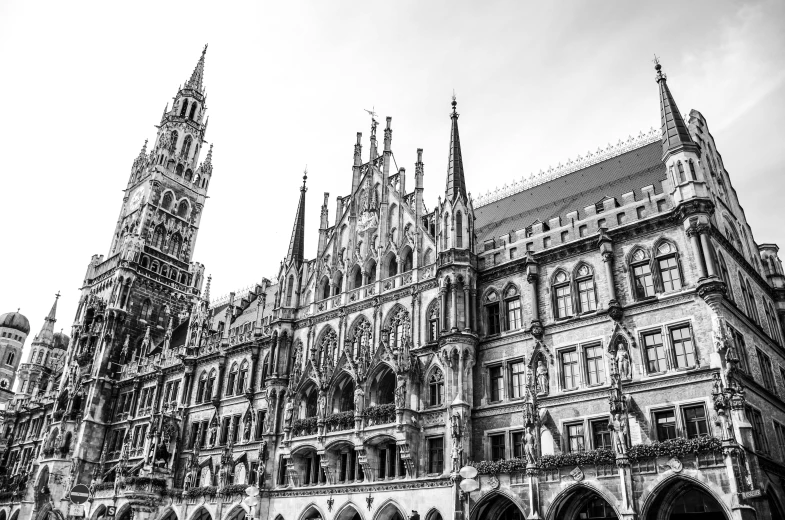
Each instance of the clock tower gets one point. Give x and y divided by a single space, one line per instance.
135 300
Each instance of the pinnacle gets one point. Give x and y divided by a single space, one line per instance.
197 75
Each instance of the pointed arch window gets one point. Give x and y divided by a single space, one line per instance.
166 203
202 387
174 136
324 289
186 146
182 209
289 290
587 297
562 295
458 229
753 305
361 339
146 310
184 108
445 230
210 385
512 308
642 279
231 380
436 388
433 324
680 173
358 277
725 276
492 313
193 111
693 173
399 329
668 267
175 245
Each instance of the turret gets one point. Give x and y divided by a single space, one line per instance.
358 160
323 226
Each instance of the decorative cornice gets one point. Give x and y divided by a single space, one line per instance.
373 488
632 143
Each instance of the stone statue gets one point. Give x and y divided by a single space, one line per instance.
267 422
618 435
213 433
455 424
623 362
400 394
321 407
528 448
287 414
542 378
359 398
247 431
456 456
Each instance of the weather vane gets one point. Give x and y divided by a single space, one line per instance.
372 113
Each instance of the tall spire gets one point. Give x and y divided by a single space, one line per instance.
675 136
456 184
297 242
47 331
198 74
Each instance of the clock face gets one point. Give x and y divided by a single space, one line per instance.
136 198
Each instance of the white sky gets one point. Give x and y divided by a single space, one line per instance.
537 83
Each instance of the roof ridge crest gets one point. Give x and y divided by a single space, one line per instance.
632 143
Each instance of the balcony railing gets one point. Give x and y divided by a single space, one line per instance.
303 427
380 414
340 421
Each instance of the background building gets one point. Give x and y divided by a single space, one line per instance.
602 341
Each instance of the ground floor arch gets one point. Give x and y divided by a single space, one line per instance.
202 514
684 499
311 513
583 503
236 513
497 506
348 512
390 511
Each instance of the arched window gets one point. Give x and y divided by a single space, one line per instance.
184 108
753 305
9 359
392 266
338 284
210 385
458 229
427 258
642 280
358 277
385 389
40 356
179 170
445 230
146 310
562 296
400 328
167 201
406 260
433 324
182 209
436 388
193 111
512 308
371 271
324 288
242 375
587 298
175 245
230 381
492 313
202 387
189 175
360 339
289 290
186 147
164 270
173 141
693 174
668 267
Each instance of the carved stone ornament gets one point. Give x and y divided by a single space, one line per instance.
493 482
577 474
675 464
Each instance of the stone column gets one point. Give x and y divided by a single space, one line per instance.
692 233
532 279
454 305
706 247
443 308
607 258
466 321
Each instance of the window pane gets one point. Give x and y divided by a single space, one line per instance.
517 379
497 382
513 314
655 352
644 283
493 318
669 271
435 455
497 447
569 365
575 437
666 425
695 421
563 302
517 445
586 292
600 434
682 344
595 366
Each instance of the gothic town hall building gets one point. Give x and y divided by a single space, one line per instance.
603 340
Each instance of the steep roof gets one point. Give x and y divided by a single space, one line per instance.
197 76
624 173
297 242
675 135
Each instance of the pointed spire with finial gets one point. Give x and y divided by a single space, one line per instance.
456 184
198 74
47 331
675 135
297 242
207 288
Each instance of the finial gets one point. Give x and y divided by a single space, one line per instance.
305 175
204 51
57 296
207 288
660 75
454 102
144 148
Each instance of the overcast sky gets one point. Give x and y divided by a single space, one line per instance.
537 83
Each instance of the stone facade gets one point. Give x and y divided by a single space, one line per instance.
603 342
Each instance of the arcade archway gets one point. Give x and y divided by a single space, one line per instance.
683 499
498 507
583 503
